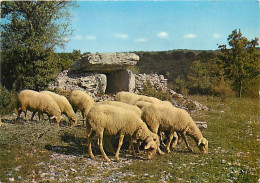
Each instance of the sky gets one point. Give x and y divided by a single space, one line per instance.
123 26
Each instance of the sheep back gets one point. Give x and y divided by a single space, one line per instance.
114 119
125 106
27 99
81 101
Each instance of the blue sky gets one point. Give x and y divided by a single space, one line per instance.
122 26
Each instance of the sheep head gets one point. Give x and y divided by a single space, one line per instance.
203 145
73 121
150 148
57 118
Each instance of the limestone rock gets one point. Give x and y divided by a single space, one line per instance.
92 83
105 62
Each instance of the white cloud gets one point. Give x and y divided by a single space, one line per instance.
216 36
189 36
121 36
78 37
163 34
141 40
90 37
66 39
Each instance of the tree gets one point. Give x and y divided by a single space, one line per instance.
30 32
198 77
240 62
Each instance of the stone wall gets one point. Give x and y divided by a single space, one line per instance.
92 83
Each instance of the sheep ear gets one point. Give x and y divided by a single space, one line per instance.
202 141
138 133
148 145
52 117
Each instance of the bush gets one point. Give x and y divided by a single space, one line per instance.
223 89
8 100
252 88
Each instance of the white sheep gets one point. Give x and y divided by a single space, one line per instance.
64 106
111 120
81 101
37 102
107 139
132 98
173 119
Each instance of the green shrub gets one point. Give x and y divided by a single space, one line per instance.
7 101
223 89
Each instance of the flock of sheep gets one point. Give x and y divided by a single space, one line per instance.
136 116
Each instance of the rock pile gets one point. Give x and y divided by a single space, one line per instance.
156 80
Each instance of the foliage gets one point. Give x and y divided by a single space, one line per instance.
7 101
30 33
241 61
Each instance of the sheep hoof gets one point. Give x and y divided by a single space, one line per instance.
168 150
108 160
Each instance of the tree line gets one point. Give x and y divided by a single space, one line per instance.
232 70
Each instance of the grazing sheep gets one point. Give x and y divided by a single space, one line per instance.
81 101
37 102
107 139
64 106
111 120
173 119
132 98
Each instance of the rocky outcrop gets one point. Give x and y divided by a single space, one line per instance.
105 62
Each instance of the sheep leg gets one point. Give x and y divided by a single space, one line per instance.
186 142
120 143
132 148
84 120
101 146
155 130
19 113
26 115
169 141
174 144
33 114
90 138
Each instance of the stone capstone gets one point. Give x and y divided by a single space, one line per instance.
105 62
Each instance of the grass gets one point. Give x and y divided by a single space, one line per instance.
27 150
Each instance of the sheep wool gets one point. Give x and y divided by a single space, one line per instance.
81 101
64 106
132 98
111 120
125 106
37 102
170 118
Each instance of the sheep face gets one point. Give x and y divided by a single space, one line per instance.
73 121
150 148
203 145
